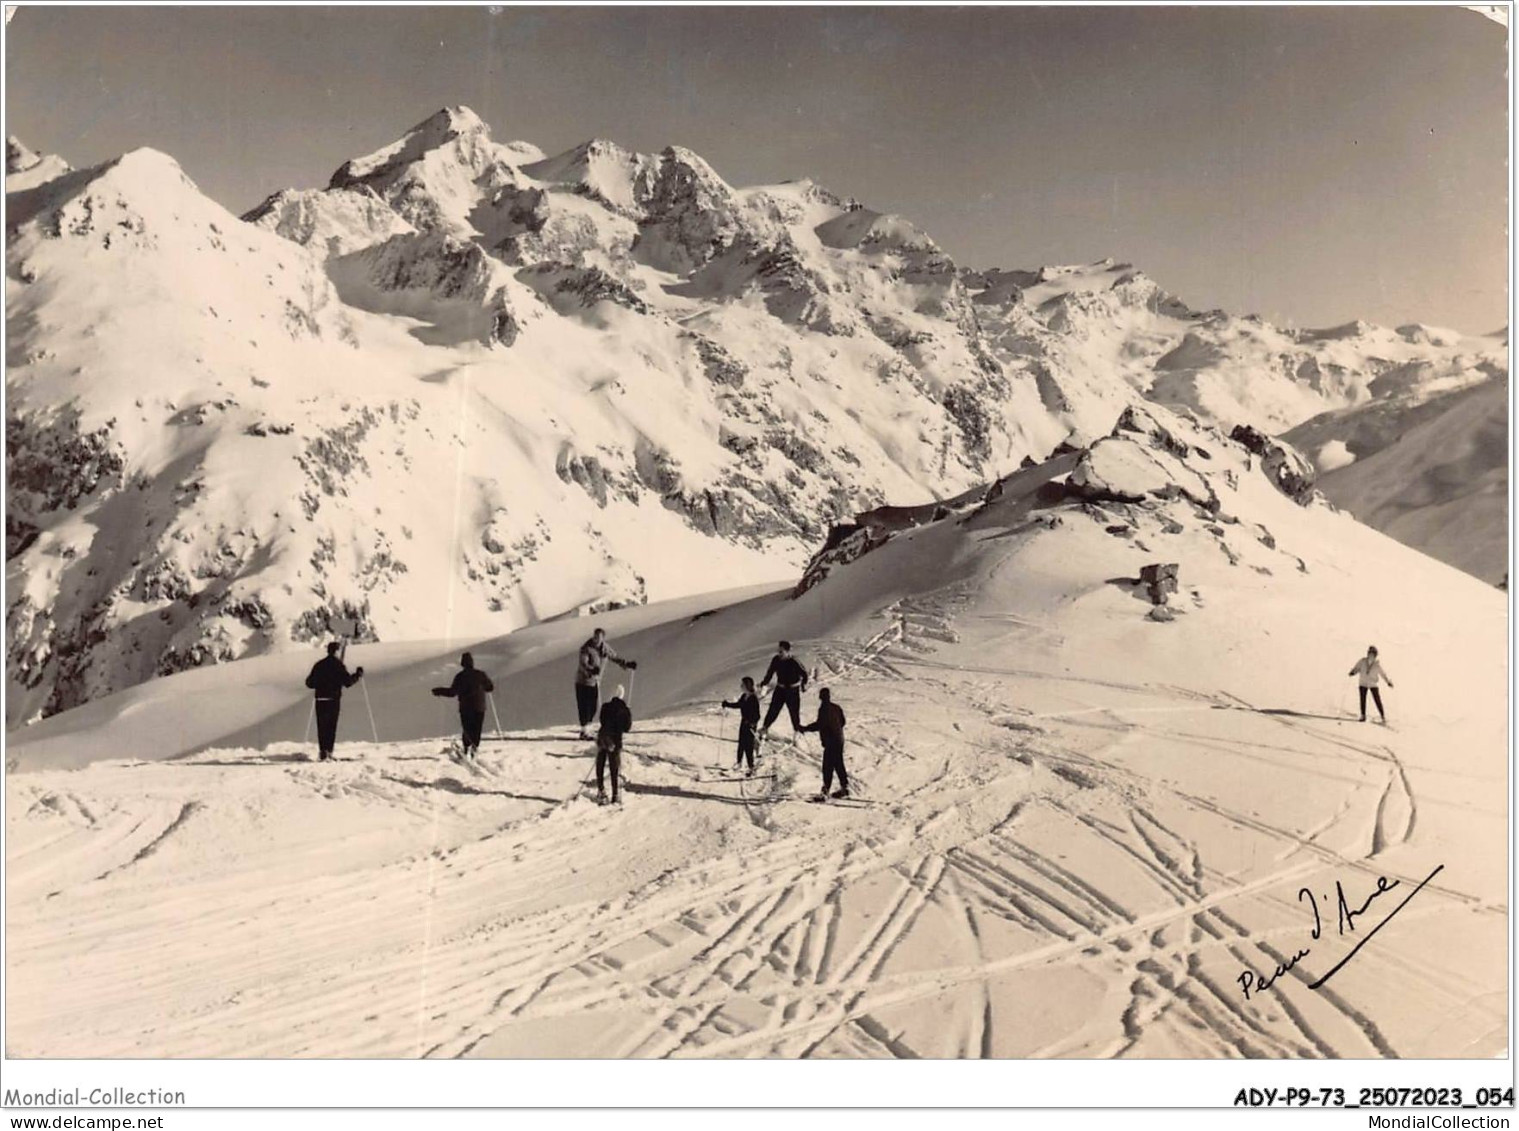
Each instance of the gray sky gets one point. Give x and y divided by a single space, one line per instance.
1311 165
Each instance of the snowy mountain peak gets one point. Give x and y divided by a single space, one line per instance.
686 165
602 170
120 199
25 168
17 156
149 169
447 124
866 229
456 120
684 182
600 146
434 175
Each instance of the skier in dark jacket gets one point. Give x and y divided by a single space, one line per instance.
747 704
830 728
790 681
328 678
616 721
470 687
594 654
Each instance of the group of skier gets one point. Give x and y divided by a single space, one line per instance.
472 688
790 677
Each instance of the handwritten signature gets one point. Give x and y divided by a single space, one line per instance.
1345 916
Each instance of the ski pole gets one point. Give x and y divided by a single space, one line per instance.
495 714
365 687
585 782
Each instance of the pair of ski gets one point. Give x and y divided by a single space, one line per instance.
738 772
587 791
602 799
847 802
455 754
816 799
714 775
723 776
590 790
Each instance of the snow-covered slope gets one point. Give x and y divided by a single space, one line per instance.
1088 813
468 386
1431 472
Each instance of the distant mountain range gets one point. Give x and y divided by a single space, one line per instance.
467 387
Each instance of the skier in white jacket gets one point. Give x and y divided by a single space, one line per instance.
1370 669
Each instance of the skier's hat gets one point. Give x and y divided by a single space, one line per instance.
618 693
786 645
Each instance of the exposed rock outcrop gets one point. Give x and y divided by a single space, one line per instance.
1160 581
1283 464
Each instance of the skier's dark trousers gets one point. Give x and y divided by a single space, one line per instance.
790 681
830 728
747 705
594 654
328 678
470 687
1376 695
616 721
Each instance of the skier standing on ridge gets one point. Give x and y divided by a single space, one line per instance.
470 687
830 727
329 676
790 681
1369 668
616 721
749 712
594 654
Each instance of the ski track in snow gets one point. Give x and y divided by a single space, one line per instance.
415 907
